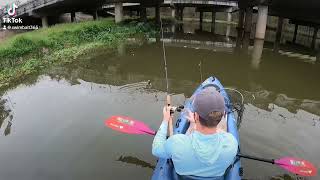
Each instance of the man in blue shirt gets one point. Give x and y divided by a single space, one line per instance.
206 151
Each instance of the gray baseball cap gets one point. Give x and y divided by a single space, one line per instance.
207 101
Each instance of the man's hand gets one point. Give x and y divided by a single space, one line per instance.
166 113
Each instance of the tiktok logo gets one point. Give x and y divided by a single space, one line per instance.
12 10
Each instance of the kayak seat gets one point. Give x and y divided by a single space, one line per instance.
190 177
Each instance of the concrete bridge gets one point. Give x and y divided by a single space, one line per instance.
301 12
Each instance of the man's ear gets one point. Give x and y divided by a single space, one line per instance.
196 117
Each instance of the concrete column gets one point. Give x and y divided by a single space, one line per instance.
229 19
257 53
261 22
121 49
201 19
248 22
241 19
143 14
213 21
181 14
73 16
157 15
95 15
173 28
247 28
118 10
173 12
278 34
314 38
296 27
44 20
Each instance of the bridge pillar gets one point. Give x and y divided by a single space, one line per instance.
296 27
314 38
118 10
240 28
157 15
213 21
261 22
229 19
44 20
257 53
278 34
180 13
95 14
73 16
173 12
201 20
143 14
241 19
247 28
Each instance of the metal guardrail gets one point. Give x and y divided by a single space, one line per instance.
31 5
204 2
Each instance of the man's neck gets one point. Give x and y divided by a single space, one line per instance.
207 131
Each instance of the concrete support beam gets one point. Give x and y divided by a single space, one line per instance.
73 16
44 21
247 27
181 13
278 34
143 14
95 15
173 12
314 38
257 53
229 19
248 22
201 20
240 29
157 13
261 22
241 19
121 49
118 11
296 27
213 21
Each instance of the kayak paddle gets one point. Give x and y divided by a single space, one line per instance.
131 126
291 164
128 125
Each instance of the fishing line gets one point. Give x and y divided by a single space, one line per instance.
164 56
170 125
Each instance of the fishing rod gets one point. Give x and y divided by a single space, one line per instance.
170 126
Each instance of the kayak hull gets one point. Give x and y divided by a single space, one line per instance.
164 169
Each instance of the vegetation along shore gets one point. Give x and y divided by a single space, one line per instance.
30 52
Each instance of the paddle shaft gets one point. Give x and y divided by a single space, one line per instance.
256 158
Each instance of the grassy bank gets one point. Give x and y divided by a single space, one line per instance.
29 52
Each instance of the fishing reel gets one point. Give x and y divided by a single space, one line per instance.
176 109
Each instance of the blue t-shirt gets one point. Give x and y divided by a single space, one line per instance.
196 154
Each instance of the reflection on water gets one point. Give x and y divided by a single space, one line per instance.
136 161
6 116
58 116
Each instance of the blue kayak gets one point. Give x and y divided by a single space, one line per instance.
164 169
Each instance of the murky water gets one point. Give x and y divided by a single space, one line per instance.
52 125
